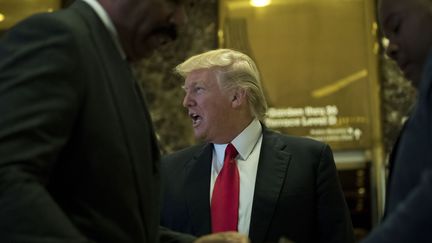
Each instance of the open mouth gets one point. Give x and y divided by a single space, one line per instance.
169 33
196 119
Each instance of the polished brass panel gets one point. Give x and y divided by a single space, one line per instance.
12 11
319 69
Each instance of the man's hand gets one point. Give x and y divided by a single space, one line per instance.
224 237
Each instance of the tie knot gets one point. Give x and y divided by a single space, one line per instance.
230 152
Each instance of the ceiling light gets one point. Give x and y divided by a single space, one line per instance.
2 17
260 3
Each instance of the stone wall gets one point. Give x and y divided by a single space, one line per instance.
397 98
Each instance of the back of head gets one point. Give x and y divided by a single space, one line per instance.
233 70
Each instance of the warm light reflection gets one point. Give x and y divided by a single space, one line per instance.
2 17
339 84
374 28
260 3
385 42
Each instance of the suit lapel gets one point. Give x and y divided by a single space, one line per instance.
272 167
198 172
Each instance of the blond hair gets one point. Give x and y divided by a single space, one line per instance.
235 70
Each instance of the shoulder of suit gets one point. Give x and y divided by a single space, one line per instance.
184 154
61 22
292 140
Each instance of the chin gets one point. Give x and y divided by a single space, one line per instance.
198 136
414 80
140 53
412 76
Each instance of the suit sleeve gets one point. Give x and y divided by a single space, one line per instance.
39 100
333 215
168 236
412 219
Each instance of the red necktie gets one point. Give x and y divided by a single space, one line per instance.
225 198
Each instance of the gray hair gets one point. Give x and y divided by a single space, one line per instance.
235 70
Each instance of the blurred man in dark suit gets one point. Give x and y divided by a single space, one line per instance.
78 155
408 26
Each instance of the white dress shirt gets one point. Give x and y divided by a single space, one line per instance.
248 145
103 15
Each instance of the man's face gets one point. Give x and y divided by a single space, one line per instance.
144 25
208 106
408 26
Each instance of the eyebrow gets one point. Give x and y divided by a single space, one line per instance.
192 85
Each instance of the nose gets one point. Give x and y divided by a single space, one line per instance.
179 16
187 100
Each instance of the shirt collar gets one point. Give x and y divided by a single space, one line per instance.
244 142
104 17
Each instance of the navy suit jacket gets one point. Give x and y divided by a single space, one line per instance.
409 201
297 192
78 156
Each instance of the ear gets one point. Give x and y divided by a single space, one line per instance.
238 97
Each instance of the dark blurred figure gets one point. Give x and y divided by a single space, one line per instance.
246 177
78 155
408 215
